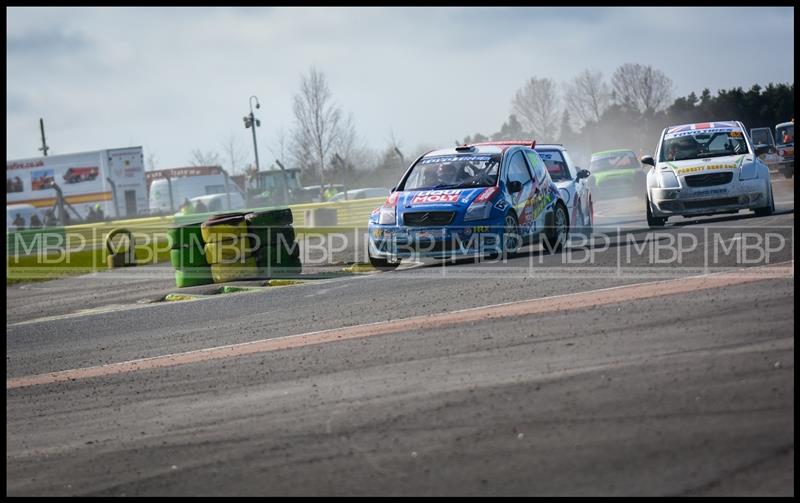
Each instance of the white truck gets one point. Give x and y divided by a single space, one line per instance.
111 178
171 189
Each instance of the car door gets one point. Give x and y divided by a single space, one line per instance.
581 188
519 171
541 195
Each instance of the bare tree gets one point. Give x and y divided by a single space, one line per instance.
200 158
317 122
280 145
536 104
644 88
587 97
235 153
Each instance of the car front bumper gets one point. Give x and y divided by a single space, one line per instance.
694 201
397 242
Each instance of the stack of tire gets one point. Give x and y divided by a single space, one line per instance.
187 255
276 251
228 248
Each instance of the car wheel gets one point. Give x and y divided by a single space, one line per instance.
788 172
383 264
653 221
585 226
556 235
769 209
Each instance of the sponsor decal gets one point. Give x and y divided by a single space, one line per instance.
710 167
539 204
735 134
486 194
478 229
437 196
501 204
24 165
377 233
453 158
709 192
693 132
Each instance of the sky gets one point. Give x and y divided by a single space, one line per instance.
178 79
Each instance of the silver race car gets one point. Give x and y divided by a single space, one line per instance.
705 169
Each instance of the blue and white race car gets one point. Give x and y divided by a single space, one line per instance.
480 199
705 169
573 182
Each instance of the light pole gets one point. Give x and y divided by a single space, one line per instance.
251 122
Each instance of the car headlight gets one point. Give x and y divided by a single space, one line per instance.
387 216
748 171
668 180
478 211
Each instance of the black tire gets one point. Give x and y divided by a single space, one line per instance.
557 234
273 235
653 221
788 172
382 264
269 218
769 209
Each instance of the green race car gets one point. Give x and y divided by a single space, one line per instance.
616 173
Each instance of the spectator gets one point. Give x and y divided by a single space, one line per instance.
36 223
200 207
19 222
50 218
788 137
92 216
98 211
186 207
329 192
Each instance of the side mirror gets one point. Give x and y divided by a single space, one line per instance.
514 187
648 159
582 173
761 150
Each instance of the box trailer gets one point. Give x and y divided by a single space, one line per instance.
113 178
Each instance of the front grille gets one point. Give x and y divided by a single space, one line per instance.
709 179
711 203
426 218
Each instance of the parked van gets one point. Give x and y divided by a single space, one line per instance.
186 187
217 202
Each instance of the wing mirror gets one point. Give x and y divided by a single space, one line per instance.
648 159
582 173
514 187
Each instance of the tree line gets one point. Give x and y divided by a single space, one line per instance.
588 113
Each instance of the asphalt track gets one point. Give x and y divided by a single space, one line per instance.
607 369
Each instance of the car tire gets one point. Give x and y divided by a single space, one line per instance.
270 218
557 234
653 221
788 172
769 209
383 264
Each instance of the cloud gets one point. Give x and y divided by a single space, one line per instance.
175 79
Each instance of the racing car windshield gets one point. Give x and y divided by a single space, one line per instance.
702 145
556 165
785 134
453 172
615 160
